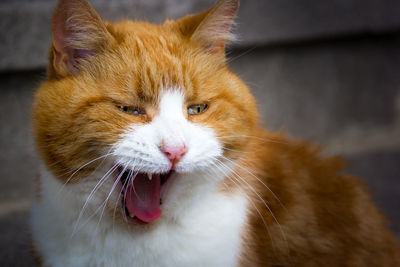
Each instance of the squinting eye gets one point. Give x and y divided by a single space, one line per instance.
197 109
130 110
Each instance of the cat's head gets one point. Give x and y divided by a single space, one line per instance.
134 114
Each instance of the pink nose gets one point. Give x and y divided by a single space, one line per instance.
174 153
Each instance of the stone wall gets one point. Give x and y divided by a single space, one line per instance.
25 24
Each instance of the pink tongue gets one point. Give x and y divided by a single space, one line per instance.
143 198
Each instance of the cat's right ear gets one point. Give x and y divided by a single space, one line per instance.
212 28
77 33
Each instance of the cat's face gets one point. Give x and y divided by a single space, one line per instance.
141 121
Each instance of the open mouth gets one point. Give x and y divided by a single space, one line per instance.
142 195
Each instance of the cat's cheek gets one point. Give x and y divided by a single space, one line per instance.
204 149
138 149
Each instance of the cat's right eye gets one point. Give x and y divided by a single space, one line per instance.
197 109
130 110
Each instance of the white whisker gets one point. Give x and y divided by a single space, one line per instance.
104 204
258 179
263 201
253 137
83 166
119 194
98 184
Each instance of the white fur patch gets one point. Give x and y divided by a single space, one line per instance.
139 148
207 234
199 226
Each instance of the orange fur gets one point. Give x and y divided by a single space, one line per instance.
322 217
315 215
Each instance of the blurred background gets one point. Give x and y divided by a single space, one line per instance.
327 71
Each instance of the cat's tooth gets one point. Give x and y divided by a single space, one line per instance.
131 215
150 176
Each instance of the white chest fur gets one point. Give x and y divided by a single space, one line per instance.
209 234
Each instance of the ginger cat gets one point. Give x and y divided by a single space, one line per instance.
153 156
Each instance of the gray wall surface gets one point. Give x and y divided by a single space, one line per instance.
326 71
25 24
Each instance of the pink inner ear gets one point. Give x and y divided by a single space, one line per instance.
77 31
66 57
79 53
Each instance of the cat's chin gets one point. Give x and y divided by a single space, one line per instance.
141 195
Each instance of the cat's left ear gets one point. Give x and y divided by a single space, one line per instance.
212 28
78 32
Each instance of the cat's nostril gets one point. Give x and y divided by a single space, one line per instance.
174 153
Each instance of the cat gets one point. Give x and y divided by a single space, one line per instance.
153 155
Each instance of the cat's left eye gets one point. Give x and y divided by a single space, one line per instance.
197 109
130 110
